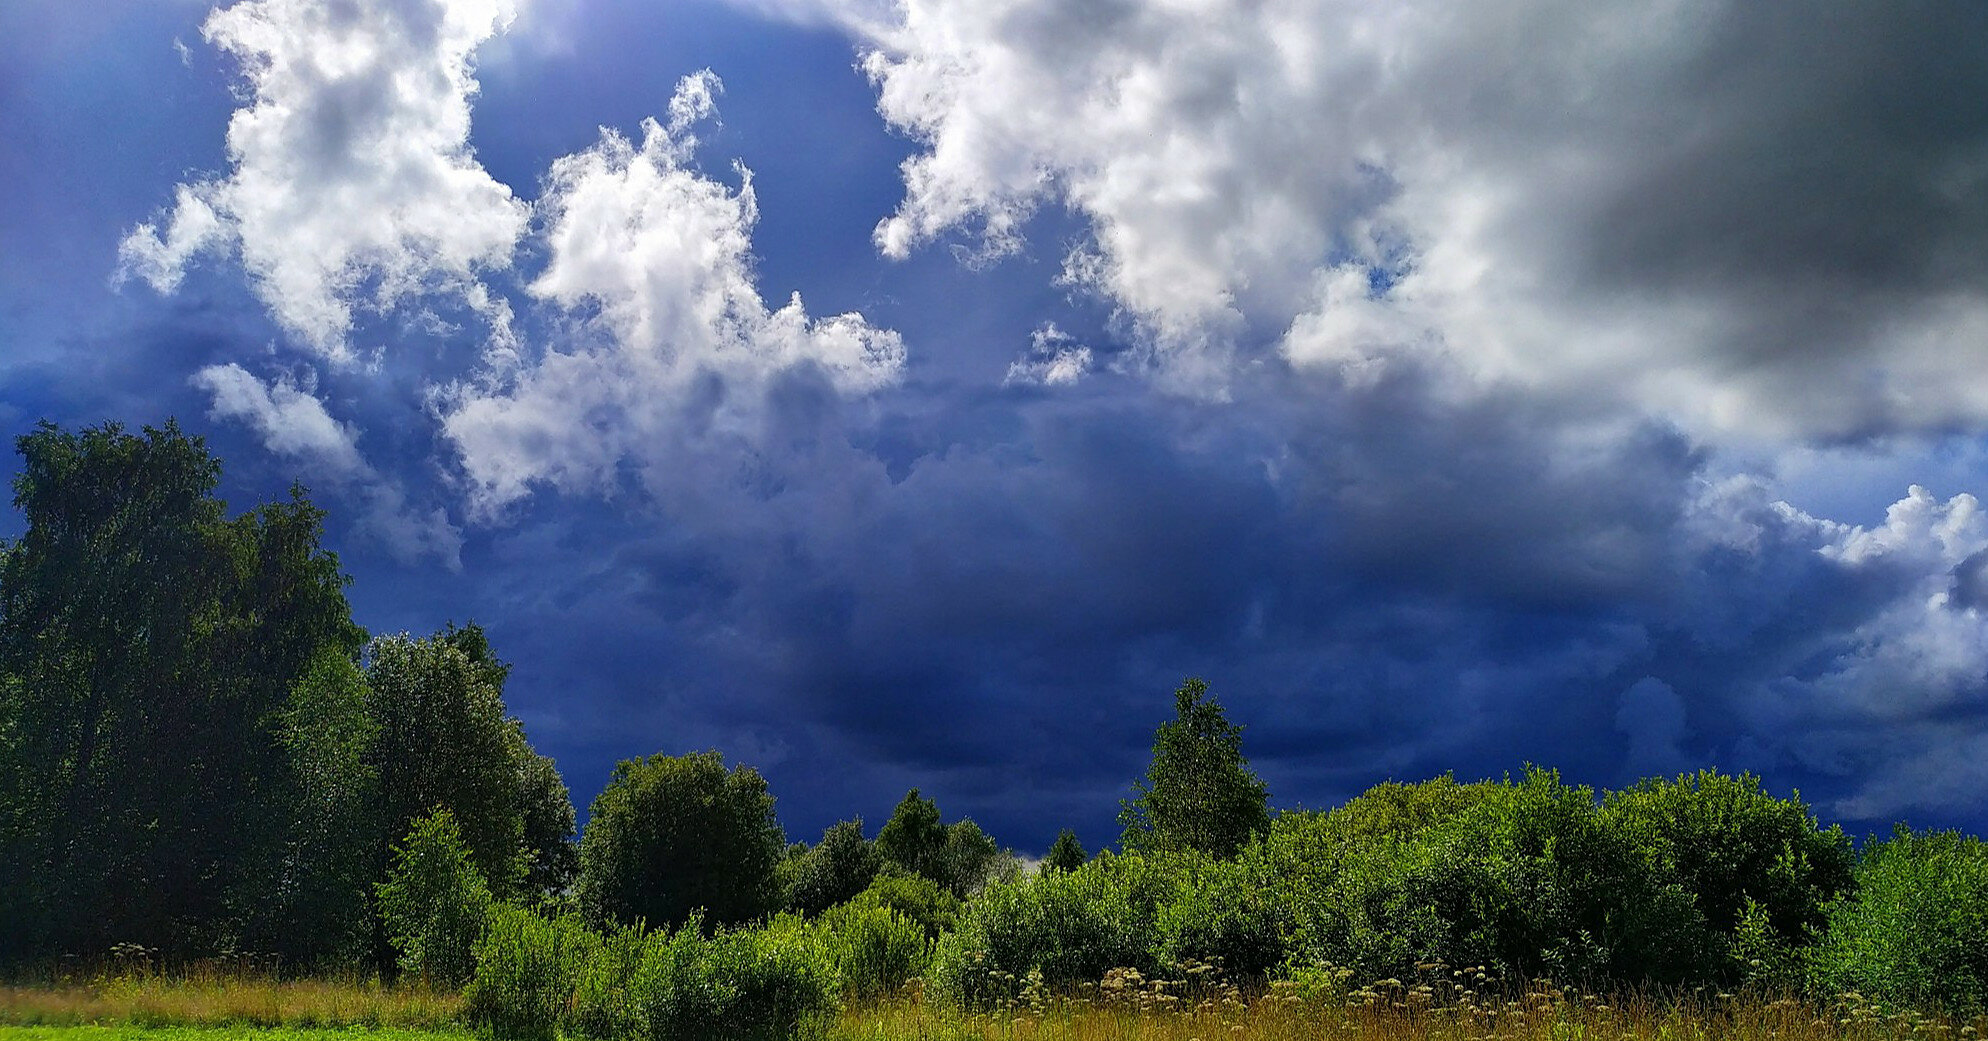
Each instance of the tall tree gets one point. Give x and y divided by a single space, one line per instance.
149 646
671 834
1199 793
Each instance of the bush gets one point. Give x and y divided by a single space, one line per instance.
1913 933
1745 857
874 949
1222 913
603 1004
743 985
915 897
1062 927
526 971
1520 877
837 868
670 835
434 902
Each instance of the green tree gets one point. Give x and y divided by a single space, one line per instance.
1066 853
1199 793
442 741
671 834
434 901
149 646
913 838
835 869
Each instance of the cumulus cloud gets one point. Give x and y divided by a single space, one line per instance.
293 423
351 181
1754 220
652 261
1054 358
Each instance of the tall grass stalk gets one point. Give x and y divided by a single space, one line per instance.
212 996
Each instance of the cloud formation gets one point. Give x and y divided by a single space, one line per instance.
293 423
351 179
1757 221
652 264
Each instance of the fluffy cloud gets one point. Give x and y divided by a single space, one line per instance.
652 262
351 181
1054 358
1755 220
293 423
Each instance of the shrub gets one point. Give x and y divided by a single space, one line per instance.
835 869
604 1005
915 897
1520 877
1732 847
743 985
1060 928
875 950
434 901
526 970
1222 913
1913 933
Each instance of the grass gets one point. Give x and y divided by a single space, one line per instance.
1453 1005
205 996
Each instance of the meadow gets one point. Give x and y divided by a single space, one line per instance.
1439 1005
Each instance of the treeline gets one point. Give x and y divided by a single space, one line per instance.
201 754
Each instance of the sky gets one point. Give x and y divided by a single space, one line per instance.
896 393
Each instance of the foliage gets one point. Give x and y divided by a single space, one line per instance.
1199 793
1733 847
149 645
527 968
1060 928
874 949
1524 878
959 856
1912 935
671 835
1222 913
913 839
916 897
434 902
753 986
602 1005
323 878
835 869
1066 853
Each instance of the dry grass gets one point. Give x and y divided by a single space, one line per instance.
1453 1006
211 995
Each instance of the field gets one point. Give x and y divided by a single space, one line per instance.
207 1008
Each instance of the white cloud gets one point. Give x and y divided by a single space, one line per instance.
292 422
351 181
1054 359
1562 193
652 262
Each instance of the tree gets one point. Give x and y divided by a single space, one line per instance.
441 741
1199 793
913 838
148 647
672 834
434 901
958 856
1066 853
835 869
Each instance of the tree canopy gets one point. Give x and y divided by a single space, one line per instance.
1199 793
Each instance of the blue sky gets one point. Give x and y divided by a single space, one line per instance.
894 394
